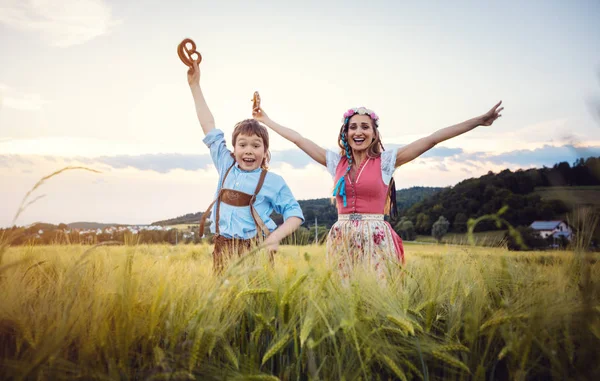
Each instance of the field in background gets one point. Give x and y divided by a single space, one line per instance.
489 238
572 196
184 227
158 312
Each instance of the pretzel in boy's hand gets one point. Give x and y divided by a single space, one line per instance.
185 53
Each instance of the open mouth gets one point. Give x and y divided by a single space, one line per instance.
359 141
248 161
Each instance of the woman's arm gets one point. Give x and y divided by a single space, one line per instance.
415 149
311 148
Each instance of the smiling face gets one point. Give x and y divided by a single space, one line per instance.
249 151
251 145
361 132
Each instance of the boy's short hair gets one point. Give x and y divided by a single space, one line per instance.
253 127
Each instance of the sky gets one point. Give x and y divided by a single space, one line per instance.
98 84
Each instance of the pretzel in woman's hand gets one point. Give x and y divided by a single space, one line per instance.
185 53
256 101
257 112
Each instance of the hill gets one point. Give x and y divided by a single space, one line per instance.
533 194
90 225
405 198
190 218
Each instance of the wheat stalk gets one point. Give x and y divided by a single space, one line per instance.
450 360
502 319
402 322
394 368
254 291
276 347
453 348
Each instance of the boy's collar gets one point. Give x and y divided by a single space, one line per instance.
243 170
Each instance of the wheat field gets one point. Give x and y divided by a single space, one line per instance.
142 312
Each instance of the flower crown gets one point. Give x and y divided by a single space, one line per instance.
361 111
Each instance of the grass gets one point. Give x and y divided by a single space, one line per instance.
488 238
158 312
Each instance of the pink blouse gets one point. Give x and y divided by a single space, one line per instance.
368 193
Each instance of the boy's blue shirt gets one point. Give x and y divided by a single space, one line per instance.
237 222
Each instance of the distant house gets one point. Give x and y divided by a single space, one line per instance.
555 229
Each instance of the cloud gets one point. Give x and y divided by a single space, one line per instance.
166 162
296 158
161 163
14 99
61 23
441 152
547 155
442 167
11 160
435 152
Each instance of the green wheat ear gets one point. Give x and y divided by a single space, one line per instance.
254 291
394 368
276 347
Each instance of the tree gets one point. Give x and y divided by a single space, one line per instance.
423 223
406 229
440 228
460 223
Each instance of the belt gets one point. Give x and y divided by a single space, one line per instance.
360 217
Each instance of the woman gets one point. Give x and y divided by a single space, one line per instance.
364 186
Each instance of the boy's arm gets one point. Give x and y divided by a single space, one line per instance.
288 227
205 117
286 205
214 138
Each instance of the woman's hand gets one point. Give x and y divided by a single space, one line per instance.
259 115
489 117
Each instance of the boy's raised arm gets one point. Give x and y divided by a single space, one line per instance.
205 117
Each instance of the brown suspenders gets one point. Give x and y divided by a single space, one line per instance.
237 198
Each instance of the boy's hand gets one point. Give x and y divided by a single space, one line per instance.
271 245
194 74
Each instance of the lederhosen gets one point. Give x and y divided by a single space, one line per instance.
226 247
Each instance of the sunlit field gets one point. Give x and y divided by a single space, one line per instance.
158 312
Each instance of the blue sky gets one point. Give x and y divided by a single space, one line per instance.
99 83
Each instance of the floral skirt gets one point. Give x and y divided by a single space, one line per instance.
369 242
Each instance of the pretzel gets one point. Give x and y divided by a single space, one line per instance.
256 101
185 54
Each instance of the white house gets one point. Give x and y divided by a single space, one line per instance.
552 228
